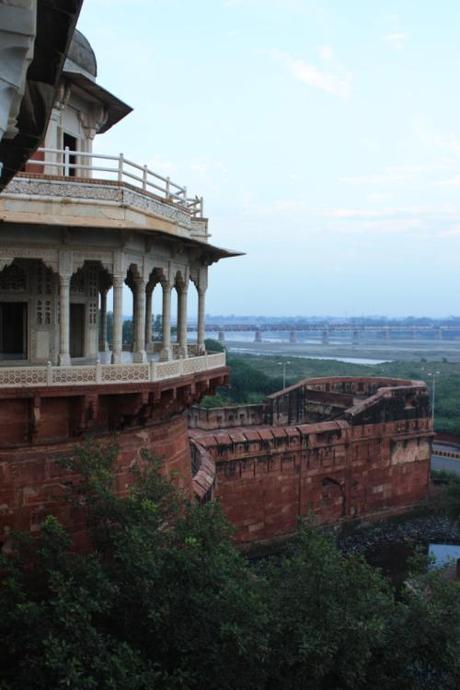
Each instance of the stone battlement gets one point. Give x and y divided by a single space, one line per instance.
373 456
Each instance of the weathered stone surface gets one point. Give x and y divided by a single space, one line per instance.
375 458
40 427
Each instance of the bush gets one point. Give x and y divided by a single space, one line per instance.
162 600
212 345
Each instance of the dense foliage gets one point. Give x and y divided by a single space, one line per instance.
162 600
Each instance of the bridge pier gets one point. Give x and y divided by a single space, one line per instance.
355 337
258 336
221 337
325 337
292 337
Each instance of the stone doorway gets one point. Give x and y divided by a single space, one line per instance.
77 330
13 330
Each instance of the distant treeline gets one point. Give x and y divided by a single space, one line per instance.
354 320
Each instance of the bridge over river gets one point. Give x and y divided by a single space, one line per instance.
326 331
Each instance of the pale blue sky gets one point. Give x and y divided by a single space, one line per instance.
323 135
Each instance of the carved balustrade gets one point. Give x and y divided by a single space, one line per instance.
28 377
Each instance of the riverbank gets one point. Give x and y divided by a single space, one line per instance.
404 351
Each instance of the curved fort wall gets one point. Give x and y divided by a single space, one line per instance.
40 426
372 457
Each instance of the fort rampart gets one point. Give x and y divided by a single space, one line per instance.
333 448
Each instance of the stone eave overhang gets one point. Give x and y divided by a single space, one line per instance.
56 20
116 108
101 204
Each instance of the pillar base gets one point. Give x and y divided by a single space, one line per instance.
165 354
182 352
104 347
116 357
140 357
65 361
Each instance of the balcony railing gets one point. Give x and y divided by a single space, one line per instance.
68 163
84 375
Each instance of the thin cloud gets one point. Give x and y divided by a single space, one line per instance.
450 182
426 221
396 39
336 82
393 212
447 142
395 174
326 53
375 178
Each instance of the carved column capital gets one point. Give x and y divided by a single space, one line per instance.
64 279
118 281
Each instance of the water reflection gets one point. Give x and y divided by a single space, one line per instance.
395 558
443 554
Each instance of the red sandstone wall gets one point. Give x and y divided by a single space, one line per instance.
267 478
32 481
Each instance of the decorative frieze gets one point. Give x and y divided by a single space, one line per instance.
122 197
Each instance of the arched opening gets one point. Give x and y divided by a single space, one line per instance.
175 320
28 312
154 312
197 308
181 297
14 284
192 319
87 285
105 316
129 308
334 496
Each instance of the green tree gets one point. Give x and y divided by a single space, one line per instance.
212 345
329 615
128 332
162 600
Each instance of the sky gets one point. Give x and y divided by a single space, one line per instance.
323 135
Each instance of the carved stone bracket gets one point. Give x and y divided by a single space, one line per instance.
17 35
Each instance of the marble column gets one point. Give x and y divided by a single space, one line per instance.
166 347
201 321
148 318
117 344
182 330
139 354
103 345
64 332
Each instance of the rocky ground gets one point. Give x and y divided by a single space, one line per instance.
418 530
